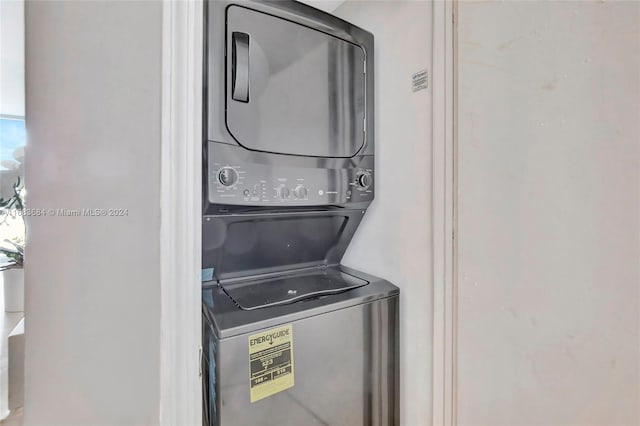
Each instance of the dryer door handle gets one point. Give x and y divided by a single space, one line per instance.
240 67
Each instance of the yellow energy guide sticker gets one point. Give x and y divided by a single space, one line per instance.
270 362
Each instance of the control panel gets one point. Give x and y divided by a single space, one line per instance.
239 181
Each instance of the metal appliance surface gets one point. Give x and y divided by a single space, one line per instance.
289 108
288 175
346 350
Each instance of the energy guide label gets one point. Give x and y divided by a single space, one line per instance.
271 362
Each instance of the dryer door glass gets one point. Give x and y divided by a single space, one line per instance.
292 89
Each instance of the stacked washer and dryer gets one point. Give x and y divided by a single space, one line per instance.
291 336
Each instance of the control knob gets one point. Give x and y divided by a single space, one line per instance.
227 176
284 192
364 180
301 192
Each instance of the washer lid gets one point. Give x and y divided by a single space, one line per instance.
285 289
292 89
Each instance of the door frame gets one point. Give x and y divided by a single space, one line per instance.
181 213
443 214
181 205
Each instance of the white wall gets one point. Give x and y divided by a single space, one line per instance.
549 213
92 283
326 5
394 240
12 58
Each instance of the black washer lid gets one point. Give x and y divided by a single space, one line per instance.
285 289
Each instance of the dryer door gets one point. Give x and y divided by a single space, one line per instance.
292 89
